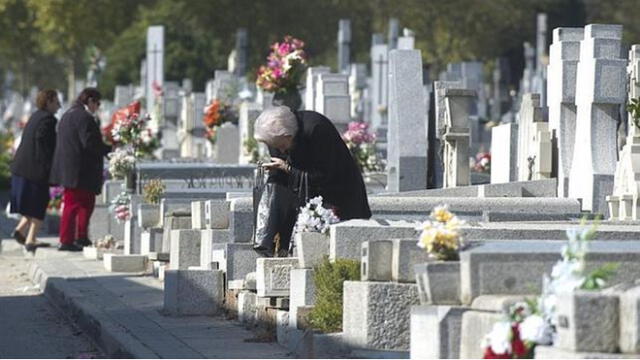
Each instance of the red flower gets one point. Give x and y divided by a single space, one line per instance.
489 354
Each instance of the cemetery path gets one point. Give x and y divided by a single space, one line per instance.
30 326
123 312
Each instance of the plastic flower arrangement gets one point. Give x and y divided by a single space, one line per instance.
153 190
441 236
533 322
55 200
120 207
361 143
121 162
128 128
217 113
483 162
314 217
285 67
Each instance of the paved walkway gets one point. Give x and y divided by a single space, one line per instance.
122 312
30 326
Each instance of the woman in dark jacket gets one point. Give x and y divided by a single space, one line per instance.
306 145
30 169
77 166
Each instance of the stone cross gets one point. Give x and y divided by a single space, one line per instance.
456 137
357 84
624 202
504 153
407 141
564 54
394 33
249 112
534 141
242 56
600 91
310 91
380 72
154 63
344 44
224 86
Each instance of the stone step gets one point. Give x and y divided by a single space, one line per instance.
534 188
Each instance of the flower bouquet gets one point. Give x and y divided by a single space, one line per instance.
314 217
55 200
120 207
441 235
217 113
121 163
361 143
285 67
153 190
482 162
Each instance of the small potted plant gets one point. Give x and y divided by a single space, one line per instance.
439 280
312 232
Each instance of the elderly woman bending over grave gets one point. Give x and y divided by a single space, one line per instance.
308 158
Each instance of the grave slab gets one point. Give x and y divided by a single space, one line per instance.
185 249
124 263
193 292
436 331
273 276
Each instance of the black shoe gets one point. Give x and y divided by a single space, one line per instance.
19 237
263 251
31 248
83 242
68 247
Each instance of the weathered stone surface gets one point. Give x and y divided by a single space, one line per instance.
216 214
174 221
553 352
236 260
151 240
406 254
193 292
185 249
311 248
376 262
435 331
247 307
197 215
303 292
346 238
534 188
373 310
438 282
241 214
124 263
516 267
148 215
208 237
504 152
630 320
588 321
93 253
273 275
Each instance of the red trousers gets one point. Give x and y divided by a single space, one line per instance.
78 206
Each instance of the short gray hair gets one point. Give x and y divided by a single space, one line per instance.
274 122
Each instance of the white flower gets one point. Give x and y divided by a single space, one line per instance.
499 339
315 218
535 329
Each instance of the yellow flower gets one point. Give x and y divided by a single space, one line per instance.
441 214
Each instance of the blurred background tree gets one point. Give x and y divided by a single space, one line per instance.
43 42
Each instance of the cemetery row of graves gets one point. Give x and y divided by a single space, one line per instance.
513 240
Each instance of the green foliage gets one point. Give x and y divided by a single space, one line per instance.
5 159
598 278
251 149
329 278
634 108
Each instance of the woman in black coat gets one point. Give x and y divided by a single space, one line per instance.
78 166
305 144
30 169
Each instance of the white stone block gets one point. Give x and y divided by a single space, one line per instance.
185 249
92 253
197 215
216 214
193 292
436 331
151 241
406 254
303 292
376 260
273 276
124 263
247 307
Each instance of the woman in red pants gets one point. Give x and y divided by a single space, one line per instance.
77 166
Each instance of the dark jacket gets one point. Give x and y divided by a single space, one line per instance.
33 158
79 157
319 150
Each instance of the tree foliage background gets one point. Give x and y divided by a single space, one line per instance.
44 42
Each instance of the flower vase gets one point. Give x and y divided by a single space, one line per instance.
311 248
438 282
131 180
288 97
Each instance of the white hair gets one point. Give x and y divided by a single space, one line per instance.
274 122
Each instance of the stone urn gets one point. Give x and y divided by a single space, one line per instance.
288 97
438 282
311 248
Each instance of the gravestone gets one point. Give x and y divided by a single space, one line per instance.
227 147
310 90
407 41
242 57
155 63
504 153
564 54
534 141
623 203
394 33
224 86
526 83
344 43
456 137
380 83
407 145
539 84
123 95
357 88
600 90
333 99
249 112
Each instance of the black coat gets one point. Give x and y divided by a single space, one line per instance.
33 158
318 150
79 157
